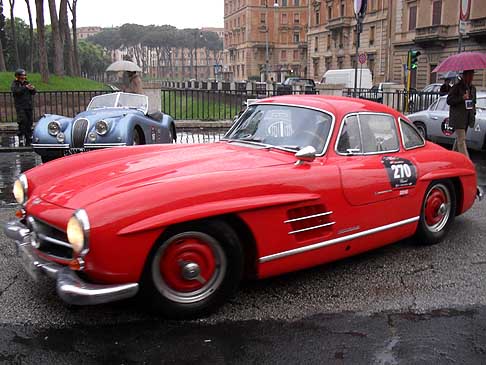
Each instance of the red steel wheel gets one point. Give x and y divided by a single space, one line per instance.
438 212
189 267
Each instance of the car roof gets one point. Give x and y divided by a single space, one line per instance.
337 105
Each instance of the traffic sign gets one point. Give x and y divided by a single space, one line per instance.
362 58
464 9
462 27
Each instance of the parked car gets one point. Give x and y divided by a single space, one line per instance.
376 92
110 120
307 86
433 123
298 181
420 100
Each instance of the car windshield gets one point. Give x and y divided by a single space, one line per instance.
284 127
119 100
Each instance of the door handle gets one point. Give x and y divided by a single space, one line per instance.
435 118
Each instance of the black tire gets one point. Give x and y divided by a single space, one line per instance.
172 134
437 214
137 138
193 270
46 159
421 127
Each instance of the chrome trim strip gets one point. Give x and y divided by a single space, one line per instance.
49 145
383 192
308 217
53 240
104 145
311 228
335 241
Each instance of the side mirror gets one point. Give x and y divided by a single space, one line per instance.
306 154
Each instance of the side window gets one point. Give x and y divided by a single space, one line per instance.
411 137
442 104
350 137
378 133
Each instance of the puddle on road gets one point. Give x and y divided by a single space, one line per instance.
12 164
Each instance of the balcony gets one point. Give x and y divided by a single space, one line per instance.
478 29
432 35
339 23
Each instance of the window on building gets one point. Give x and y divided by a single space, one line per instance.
436 12
296 54
372 35
283 54
296 18
315 65
263 18
340 61
355 38
340 39
284 2
316 44
263 2
296 2
341 12
285 19
371 63
412 18
296 37
329 12
328 62
317 17
328 41
371 5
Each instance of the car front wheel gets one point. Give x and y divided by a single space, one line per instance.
194 270
438 213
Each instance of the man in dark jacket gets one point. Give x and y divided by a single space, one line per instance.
462 112
23 93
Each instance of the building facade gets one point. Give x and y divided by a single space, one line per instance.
332 37
432 27
265 39
86 32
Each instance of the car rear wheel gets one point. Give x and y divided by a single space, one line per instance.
438 213
421 128
137 137
194 270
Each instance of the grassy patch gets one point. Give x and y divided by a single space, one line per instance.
200 105
56 83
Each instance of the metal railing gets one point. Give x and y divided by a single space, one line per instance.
417 100
68 103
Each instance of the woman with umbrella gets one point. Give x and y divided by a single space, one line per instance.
462 96
133 80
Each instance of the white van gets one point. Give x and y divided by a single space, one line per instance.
346 77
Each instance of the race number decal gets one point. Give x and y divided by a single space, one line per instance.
401 172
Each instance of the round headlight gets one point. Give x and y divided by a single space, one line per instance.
102 127
61 137
53 128
78 232
20 189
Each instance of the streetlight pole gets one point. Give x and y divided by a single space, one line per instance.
267 61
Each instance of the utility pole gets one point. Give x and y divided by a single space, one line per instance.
359 12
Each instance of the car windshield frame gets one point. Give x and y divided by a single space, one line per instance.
119 101
237 124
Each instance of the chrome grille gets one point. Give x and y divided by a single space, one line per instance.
51 240
80 130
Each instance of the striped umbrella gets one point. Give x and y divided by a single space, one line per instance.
462 62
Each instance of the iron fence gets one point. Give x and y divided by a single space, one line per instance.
49 102
417 100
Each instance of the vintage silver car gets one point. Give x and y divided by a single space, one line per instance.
434 125
110 120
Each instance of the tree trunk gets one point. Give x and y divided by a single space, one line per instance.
2 58
56 40
72 7
14 33
66 37
31 38
41 37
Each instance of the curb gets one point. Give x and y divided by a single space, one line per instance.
16 149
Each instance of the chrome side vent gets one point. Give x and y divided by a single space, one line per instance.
310 221
79 133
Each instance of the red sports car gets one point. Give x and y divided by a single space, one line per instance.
297 181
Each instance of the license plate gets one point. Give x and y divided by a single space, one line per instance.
27 261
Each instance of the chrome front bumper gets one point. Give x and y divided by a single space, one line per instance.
70 287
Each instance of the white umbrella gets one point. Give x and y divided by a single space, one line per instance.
123 66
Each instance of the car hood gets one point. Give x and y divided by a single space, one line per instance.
80 180
105 113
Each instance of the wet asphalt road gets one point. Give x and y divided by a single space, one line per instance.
402 304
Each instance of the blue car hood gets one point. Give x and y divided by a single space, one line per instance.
106 113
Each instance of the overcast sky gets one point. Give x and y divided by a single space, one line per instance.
107 13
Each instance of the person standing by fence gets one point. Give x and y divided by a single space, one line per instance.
23 93
462 112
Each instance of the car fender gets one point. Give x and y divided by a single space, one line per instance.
40 130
